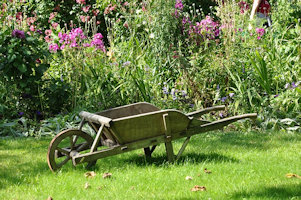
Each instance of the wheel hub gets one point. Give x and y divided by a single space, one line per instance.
73 153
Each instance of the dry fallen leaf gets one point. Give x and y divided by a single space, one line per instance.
90 174
107 175
87 185
291 175
207 171
99 188
198 188
49 198
132 188
188 178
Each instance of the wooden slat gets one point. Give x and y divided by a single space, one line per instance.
118 149
199 113
183 148
97 138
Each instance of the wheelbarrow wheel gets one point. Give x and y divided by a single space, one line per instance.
65 145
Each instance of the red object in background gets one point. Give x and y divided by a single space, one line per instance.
264 7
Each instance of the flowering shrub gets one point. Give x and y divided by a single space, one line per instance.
75 39
23 63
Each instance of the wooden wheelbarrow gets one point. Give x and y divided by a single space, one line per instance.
130 127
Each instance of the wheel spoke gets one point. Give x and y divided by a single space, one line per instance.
71 142
81 147
64 162
75 140
62 150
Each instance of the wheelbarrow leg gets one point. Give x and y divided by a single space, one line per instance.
168 144
148 151
169 152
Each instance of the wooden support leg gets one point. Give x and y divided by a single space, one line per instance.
183 147
169 152
147 152
168 144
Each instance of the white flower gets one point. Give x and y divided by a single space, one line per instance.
152 36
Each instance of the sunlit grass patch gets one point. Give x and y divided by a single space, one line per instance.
243 165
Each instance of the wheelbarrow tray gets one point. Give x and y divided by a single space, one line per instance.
142 125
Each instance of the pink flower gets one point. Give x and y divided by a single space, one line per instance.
179 5
98 36
32 28
95 12
260 31
258 38
84 18
54 25
97 22
48 32
81 1
53 48
30 20
244 6
52 15
57 8
47 39
19 15
86 8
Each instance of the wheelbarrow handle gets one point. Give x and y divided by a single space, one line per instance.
199 113
95 118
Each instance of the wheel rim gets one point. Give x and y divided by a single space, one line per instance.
64 145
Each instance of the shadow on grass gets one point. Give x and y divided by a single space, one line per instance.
288 191
185 158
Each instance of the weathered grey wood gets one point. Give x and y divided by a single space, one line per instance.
87 157
135 126
197 122
95 118
199 113
212 126
97 139
129 110
81 124
183 148
148 125
168 144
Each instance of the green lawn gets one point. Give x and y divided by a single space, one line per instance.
244 166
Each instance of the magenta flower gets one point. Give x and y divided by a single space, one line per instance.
260 31
98 36
53 48
244 6
18 34
179 5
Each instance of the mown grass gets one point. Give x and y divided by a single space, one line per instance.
244 165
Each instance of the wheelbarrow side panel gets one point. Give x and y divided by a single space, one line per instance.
129 110
148 125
